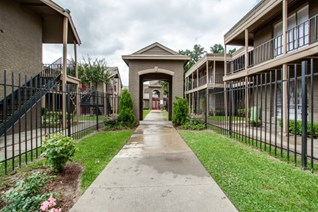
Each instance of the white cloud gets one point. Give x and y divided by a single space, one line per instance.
109 29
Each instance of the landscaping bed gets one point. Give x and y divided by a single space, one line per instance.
92 154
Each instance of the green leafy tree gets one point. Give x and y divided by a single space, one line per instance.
195 55
217 48
126 113
165 86
231 51
93 71
180 111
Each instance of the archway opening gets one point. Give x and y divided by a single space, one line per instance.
155 94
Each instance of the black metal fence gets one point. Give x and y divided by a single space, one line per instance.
32 108
275 111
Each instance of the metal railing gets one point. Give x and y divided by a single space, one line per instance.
217 78
299 36
37 106
202 80
256 113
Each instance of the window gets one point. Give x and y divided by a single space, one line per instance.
278 31
298 29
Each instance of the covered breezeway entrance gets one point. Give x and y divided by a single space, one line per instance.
155 62
154 104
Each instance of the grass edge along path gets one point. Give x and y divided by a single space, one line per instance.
145 113
96 151
253 180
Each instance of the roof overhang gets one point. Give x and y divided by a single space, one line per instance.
132 57
259 15
53 17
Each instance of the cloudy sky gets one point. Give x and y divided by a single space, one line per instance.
109 28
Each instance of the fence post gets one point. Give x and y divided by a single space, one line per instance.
206 107
304 114
69 110
96 110
230 108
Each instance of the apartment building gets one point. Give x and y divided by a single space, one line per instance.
25 25
279 44
205 79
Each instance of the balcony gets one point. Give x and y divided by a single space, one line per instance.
202 80
217 79
299 36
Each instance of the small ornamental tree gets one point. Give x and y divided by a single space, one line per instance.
180 111
126 113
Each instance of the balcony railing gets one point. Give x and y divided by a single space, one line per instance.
195 84
59 67
218 78
202 80
299 36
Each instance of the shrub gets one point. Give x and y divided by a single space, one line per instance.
126 113
193 124
297 129
58 150
256 123
26 195
180 111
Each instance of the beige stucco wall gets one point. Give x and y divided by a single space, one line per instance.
135 66
21 39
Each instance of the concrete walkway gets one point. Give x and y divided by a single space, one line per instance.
155 171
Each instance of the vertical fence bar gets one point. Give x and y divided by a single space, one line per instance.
288 112
296 111
248 110
265 104
257 115
68 110
25 121
230 109
19 126
304 65
281 113
12 113
5 121
275 113
261 112
270 110
312 114
31 117
36 118
97 110
253 105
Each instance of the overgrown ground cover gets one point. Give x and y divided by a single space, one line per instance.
253 180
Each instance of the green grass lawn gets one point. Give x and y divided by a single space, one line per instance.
90 118
165 114
253 180
96 151
222 118
93 152
145 113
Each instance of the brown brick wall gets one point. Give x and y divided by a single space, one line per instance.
21 39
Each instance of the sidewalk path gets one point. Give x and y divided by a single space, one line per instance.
155 171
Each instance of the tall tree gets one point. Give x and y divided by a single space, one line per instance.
195 55
217 48
93 71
